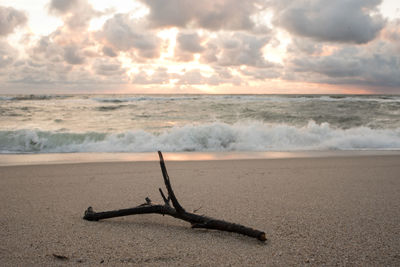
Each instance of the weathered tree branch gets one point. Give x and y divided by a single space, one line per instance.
176 210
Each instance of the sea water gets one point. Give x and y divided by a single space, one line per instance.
203 123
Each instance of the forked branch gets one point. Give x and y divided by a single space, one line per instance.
176 210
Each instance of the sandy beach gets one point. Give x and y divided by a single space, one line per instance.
314 211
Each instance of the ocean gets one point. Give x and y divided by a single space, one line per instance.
37 124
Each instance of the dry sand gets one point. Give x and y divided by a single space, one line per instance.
315 211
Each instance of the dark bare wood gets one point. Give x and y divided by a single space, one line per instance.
167 182
176 210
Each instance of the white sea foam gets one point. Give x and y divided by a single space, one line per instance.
250 136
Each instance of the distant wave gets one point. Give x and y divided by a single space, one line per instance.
33 97
305 98
251 136
123 99
241 98
6 98
251 98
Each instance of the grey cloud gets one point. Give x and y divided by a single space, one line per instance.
39 72
217 80
188 44
347 21
210 54
261 74
108 51
374 65
46 50
209 14
238 49
195 77
192 77
108 68
75 13
66 57
331 66
49 62
49 72
304 45
224 75
8 54
124 34
63 6
160 76
391 33
73 55
10 18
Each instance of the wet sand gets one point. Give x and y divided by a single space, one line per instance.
314 211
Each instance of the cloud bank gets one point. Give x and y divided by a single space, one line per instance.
187 45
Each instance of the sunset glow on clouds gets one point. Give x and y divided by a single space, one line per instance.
184 46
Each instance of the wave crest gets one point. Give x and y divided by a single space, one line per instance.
251 136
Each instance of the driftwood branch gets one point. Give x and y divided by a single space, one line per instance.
175 210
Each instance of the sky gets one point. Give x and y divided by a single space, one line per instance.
209 46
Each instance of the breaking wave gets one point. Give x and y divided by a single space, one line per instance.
251 136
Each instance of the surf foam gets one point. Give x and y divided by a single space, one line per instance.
251 136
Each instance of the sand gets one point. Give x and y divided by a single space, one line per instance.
315 211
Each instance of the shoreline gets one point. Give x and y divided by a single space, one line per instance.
73 158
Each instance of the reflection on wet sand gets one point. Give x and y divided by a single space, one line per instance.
65 158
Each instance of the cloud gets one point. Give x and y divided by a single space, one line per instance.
391 33
225 42
374 65
52 59
75 13
195 77
108 67
304 45
63 46
207 14
73 55
261 74
46 49
236 49
8 54
159 76
63 6
192 77
38 72
345 21
108 51
225 51
10 19
121 33
188 44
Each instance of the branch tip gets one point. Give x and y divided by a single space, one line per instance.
262 237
